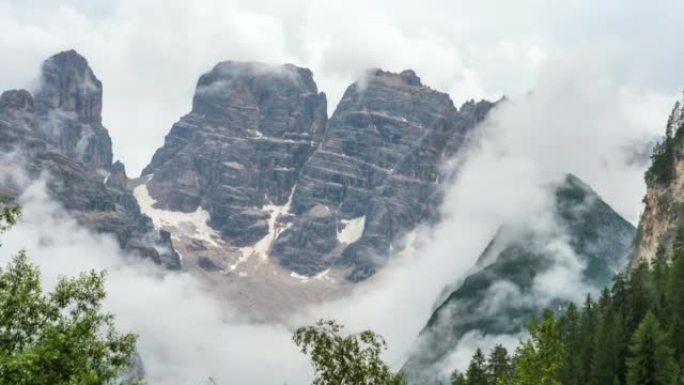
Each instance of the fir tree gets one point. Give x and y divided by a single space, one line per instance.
569 326
477 370
540 358
652 361
499 367
457 378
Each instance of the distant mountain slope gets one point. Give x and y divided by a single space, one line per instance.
504 288
58 134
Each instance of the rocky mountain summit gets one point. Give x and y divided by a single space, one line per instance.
523 270
236 156
57 134
281 181
68 105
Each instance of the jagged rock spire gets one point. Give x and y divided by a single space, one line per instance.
68 103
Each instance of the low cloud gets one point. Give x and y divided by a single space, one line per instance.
186 335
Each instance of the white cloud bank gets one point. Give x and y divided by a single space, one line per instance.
185 334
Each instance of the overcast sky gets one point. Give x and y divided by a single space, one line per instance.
587 80
149 53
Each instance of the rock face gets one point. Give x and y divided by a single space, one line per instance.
376 174
661 227
58 134
280 180
507 284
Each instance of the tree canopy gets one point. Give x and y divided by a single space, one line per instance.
338 359
58 338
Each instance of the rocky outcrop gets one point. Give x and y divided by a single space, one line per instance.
661 227
280 180
58 136
508 284
376 174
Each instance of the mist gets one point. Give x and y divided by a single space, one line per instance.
527 144
185 334
579 119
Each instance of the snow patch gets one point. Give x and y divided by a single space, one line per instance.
193 225
300 277
262 247
234 165
323 276
352 230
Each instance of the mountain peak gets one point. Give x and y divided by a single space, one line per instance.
68 103
68 58
68 83
406 77
230 87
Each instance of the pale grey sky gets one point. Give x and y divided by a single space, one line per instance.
149 53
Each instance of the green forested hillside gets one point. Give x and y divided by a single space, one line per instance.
632 334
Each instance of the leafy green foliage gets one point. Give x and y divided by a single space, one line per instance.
57 338
345 360
9 213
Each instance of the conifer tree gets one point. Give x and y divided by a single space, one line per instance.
652 361
540 358
477 370
569 327
675 295
608 347
499 367
587 340
457 378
